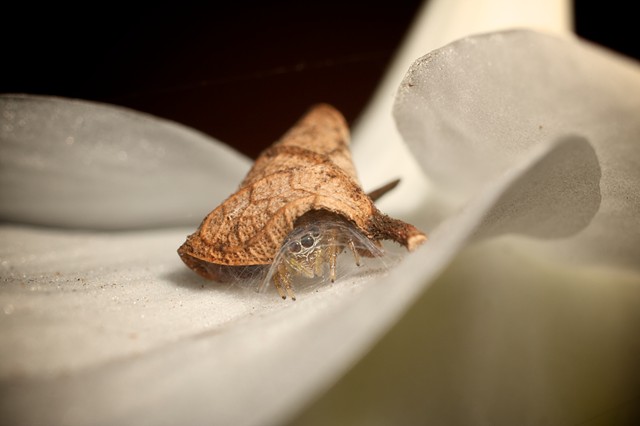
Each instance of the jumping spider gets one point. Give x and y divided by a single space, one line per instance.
314 245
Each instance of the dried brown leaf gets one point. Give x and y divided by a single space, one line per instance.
309 170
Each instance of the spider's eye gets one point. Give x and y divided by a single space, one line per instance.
315 232
295 247
307 241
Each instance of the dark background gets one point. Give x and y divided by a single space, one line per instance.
240 73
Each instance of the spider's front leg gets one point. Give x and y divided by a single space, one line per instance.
282 281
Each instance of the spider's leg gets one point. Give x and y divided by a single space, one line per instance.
318 262
354 250
333 250
282 281
285 276
277 282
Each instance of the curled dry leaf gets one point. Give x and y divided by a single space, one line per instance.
302 182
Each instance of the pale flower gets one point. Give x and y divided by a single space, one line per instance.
521 309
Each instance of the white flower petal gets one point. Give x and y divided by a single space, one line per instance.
379 151
80 164
470 110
